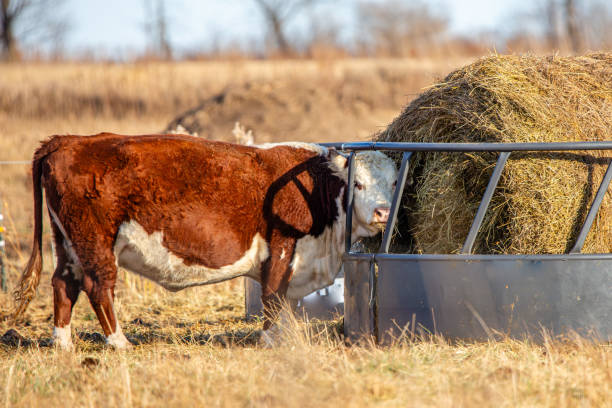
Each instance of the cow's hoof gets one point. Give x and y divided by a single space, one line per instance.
270 338
118 341
266 341
62 339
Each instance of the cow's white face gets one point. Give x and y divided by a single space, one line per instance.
375 178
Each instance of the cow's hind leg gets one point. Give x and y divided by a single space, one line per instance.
99 278
66 287
101 296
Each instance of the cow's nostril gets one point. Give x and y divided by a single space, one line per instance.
381 214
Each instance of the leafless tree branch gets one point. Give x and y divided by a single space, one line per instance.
277 13
39 22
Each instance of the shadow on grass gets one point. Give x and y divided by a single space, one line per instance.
140 332
228 338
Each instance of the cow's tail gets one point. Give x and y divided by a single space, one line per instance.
30 278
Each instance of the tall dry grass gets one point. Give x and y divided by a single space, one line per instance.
120 90
175 366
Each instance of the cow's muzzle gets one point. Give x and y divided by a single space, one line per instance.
381 215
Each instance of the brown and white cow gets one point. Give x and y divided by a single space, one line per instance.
183 211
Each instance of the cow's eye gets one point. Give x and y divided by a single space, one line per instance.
358 185
394 184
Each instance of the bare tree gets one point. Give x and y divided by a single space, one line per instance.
41 22
598 31
563 25
156 29
573 26
323 38
552 32
9 15
277 14
399 28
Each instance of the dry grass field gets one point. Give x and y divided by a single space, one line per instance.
194 348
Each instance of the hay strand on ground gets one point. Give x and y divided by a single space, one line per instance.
542 198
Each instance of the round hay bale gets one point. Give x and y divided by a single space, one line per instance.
542 198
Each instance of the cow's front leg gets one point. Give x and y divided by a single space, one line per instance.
282 326
276 274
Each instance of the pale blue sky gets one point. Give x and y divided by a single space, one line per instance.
116 26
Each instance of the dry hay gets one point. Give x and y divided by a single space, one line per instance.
542 198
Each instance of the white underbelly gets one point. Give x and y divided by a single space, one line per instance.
146 255
316 262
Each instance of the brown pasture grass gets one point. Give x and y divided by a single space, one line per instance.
193 348
120 90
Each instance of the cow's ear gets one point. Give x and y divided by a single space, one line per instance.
337 158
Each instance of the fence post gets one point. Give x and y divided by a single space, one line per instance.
3 284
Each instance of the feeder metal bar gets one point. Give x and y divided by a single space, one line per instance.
484 203
349 205
397 197
503 148
588 222
471 147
